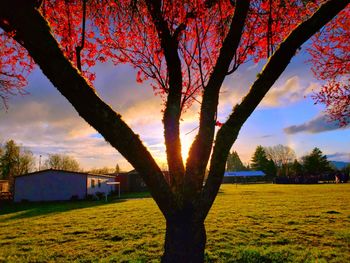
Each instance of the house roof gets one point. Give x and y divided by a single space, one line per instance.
244 173
65 171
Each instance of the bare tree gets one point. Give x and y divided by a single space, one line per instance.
62 162
282 156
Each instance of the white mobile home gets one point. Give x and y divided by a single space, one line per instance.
59 185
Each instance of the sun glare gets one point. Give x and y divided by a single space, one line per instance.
186 141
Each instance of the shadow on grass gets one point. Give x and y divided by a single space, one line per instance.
136 195
33 209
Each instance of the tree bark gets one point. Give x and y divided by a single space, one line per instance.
172 111
202 145
184 240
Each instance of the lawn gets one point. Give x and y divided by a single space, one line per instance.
248 223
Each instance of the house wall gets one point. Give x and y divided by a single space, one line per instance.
50 186
131 182
136 184
122 178
97 184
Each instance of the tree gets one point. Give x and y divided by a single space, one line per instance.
186 49
62 162
103 170
234 163
15 161
260 162
117 169
346 170
296 168
316 162
282 156
10 160
26 162
259 159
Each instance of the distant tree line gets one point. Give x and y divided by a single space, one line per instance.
281 161
17 160
61 162
106 170
14 160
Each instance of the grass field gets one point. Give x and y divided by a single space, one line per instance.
248 223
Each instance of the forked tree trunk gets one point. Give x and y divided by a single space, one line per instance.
184 241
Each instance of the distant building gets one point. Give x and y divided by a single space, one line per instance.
232 177
130 182
59 185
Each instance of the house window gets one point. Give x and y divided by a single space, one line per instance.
92 183
99 183
0 187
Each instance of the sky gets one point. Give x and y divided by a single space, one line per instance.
45 123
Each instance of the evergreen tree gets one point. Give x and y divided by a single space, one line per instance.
260 162
234 163
117 169
316 162
296 168
259 159
270 169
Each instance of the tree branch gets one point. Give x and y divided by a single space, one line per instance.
78 49
201 147
172 110
33 33
277 63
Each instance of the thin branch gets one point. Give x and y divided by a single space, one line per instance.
78 49
172 112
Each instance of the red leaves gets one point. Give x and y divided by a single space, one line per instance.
15 65
330 57
123 32
219 124
336 96
138 77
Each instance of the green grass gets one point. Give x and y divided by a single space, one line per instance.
248 223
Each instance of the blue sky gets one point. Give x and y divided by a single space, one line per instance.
46 123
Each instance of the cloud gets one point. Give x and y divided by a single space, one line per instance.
339 156
316 125
283 93
291 91
266 136
44 122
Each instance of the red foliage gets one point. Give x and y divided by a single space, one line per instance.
123 32
330 57
15 64
218 123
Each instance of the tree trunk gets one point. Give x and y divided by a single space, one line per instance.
184 241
